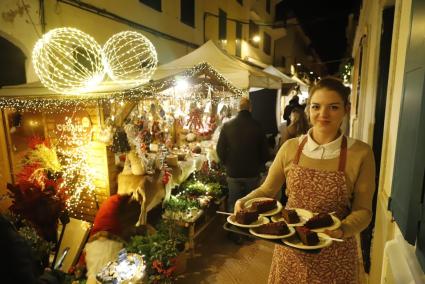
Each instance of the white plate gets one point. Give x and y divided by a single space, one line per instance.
302 213
267 213
260 221
296 243
336 225
273 237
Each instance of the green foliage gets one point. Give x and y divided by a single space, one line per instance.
180 204
159 250
40 248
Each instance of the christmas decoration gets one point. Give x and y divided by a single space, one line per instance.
38 196
68 61
130 58
195 121
153 89
120 141
77 175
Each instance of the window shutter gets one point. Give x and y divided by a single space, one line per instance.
406 192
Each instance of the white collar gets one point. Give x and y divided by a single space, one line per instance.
332 146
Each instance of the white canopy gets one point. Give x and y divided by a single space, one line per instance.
276 72
240 74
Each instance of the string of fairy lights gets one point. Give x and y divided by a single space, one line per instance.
68 61
130 58
56 104
77 174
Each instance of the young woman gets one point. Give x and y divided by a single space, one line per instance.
299 125
324 171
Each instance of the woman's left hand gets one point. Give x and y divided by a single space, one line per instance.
338 233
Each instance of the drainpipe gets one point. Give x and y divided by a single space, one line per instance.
42 16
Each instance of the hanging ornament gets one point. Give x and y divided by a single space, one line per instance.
195 121
68 61
130 58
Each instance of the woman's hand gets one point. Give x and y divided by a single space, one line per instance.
239 206
338 233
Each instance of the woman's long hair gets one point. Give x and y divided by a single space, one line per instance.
299 125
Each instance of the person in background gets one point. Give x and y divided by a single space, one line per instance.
114 223
299 125
18 264
243 150
293 103
324 171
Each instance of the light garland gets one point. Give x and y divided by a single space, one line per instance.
130 58
77 175
68 61
55 104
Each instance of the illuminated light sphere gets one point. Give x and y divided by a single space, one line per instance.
68 61
130 58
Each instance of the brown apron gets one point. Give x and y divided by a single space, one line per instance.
317 191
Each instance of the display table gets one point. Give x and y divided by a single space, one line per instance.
200 221
151 188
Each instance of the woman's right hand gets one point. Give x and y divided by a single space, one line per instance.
239 206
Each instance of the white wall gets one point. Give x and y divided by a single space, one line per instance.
370 25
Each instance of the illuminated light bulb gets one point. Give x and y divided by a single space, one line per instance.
130 58
68 61
182 84
256 38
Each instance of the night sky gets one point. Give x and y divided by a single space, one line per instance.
325 23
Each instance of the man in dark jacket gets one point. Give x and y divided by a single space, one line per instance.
242 148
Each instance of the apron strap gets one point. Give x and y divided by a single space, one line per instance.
342 155
299 151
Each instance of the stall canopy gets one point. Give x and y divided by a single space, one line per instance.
276 72
240 74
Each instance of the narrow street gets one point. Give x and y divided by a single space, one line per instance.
218 260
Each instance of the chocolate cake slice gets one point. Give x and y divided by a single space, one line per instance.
264 205
290 216
319 221
307 236
246 217
278 229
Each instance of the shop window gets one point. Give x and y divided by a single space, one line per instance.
222 25
268 5
253 31
283 61
154 4
267 44
187 12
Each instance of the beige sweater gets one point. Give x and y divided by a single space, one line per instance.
360 179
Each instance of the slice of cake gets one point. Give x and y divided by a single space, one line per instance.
307 236
290 216
278 229
319 221
264 205
246 217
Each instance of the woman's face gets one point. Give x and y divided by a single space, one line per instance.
327 111
294 116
